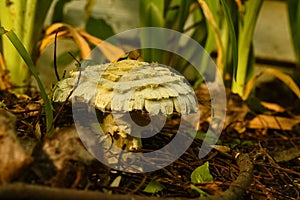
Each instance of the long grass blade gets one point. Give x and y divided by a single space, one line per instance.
27 59
232 36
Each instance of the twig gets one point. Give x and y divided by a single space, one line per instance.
68 97
22 191
54 59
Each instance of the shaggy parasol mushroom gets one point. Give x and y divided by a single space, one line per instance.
129 88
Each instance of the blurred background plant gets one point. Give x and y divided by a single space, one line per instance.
224 28
26 19
294 19
23 40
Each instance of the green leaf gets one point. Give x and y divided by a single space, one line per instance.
178 12
172 8
200 135
294 19
26 19
99 28
184 11
154 187
27 59
34 23
246 30
2 30
232 36
214 8
255 105
152 15
202 174
200 31
58 11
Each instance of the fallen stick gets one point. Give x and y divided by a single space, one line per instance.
36 192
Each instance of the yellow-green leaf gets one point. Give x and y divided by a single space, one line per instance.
153 187
202 174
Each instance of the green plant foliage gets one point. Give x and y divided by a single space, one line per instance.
254 104
247 24
88 8
27 59
58 13
99 28
152 15
152 12
26 19
177 14
2 104
232 39
217 23
153 187
294 19
202 174
239 143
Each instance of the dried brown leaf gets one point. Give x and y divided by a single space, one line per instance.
111 52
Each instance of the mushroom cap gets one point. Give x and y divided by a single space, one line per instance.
129 85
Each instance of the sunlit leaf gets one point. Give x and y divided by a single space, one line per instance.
26 19
202 174
153 187
246 30
152 12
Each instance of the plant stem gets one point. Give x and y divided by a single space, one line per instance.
246 30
